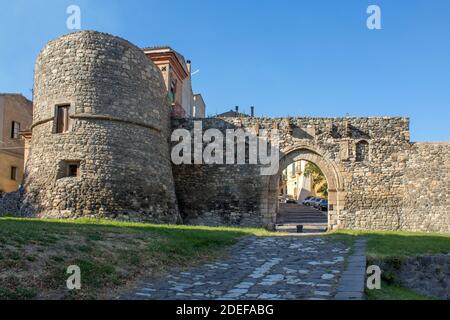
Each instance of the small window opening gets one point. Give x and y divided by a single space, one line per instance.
62 118
73 169
68 168
13 173
362 151
173 90
15 129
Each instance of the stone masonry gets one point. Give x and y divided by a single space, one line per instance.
119 122
119 136
258 268
397 185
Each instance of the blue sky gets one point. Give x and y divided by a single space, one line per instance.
302 58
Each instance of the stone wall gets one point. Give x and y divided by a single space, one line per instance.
428 275
11 204
119 131
426 205
217 194
119 122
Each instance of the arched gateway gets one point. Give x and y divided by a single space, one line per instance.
311 153
373 171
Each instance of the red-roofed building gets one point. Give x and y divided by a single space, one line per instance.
176 72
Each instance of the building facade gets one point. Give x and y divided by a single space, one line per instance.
176 72
16 114
199 107
294 184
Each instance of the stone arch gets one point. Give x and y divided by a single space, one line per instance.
308 152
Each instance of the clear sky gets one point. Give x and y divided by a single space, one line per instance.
298 58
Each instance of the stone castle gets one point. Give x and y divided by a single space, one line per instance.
100 147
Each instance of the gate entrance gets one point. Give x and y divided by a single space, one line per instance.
303 198
290 210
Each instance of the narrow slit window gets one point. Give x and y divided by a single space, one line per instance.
62 118
13 173
362 151
15 129
173 91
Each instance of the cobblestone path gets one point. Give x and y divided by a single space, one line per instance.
258 268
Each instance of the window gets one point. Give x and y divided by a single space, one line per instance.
173 90
15 129
13 173
73 169
62 118
68 169
362 150
293 170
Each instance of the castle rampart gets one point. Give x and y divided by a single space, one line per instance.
99 136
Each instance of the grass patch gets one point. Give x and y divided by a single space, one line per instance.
393 247
399 243
35 254
17 293
393 292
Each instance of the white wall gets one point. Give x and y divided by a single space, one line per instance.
186 96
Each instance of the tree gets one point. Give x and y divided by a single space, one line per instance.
320 184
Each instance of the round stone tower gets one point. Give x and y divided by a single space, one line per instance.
99 145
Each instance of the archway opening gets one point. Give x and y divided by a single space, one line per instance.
302 198
270 200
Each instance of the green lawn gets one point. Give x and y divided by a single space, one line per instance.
35 254
392 292
399 243
390 244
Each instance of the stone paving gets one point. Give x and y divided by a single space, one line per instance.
258 268
352 281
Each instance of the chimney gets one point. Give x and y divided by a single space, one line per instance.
252 111
188 65
237 109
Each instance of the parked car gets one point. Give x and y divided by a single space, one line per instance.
291 200
307 201
315 202
323 205
311 201
282 199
